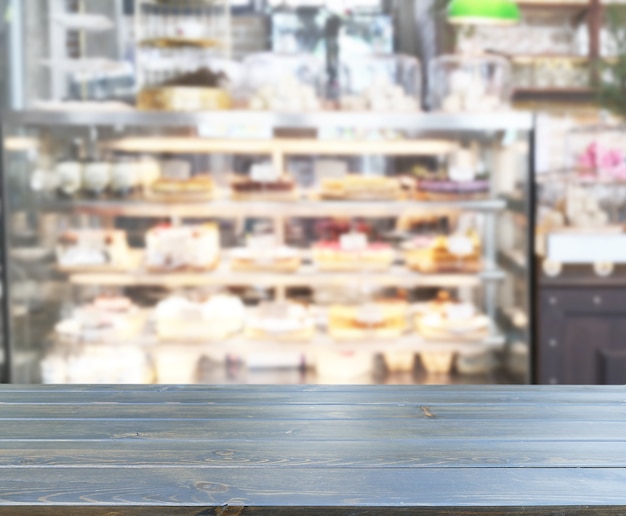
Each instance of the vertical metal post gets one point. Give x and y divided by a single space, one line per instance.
6 375
533 279
16 55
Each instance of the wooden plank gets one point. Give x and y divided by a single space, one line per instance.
276 411
303 430
615 396
413 453
322 487
312 511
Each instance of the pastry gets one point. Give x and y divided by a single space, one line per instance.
385 320
272 259
287 94
446 320
202 90
358 187
216 319
333 256
281 322
198 187
105 319
442 254
382 95
92 249
449 190
182 248
248 189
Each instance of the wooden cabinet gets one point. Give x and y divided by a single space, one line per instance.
582 335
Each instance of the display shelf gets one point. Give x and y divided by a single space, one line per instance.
576 10
188 144
308 275
426 122
322 342
302 208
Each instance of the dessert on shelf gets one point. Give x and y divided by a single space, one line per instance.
335 257
264 183
179 319
98 364
357 187
94 250
378 320
107 318
283 82
198 187
256 257
479 83
281 321
445 319
182 248
460 252
202 90
381 82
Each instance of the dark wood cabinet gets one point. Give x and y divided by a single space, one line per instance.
582 335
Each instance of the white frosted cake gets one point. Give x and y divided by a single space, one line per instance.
179 319
186 247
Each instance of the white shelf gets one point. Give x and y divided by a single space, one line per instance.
322 342
235 209
308 275
420 122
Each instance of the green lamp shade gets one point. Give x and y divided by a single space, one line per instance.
494 12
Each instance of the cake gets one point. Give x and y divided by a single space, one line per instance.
198 187
287 321
449 190
215 319
271 259
358 187
202 90
447 320
385 320
193 248
287 94
105 319
333 256
443 254
248 189
92 249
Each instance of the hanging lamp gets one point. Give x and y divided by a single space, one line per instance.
483 12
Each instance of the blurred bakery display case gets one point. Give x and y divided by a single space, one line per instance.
368 249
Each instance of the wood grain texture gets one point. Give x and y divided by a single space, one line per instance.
114 450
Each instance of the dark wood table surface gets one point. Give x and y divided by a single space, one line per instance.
312 450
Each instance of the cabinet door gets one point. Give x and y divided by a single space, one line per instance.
582 336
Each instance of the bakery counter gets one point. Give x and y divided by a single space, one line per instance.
312 450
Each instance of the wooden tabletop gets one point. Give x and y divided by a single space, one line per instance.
312 450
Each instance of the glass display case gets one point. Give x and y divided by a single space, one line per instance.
141 250
381 82
582 208
469 82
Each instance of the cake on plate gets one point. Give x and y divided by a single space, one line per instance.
92 249
281 321
383 320
357 187
443 254
198 187
194 248
353 252
107 318
215 319
445 319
